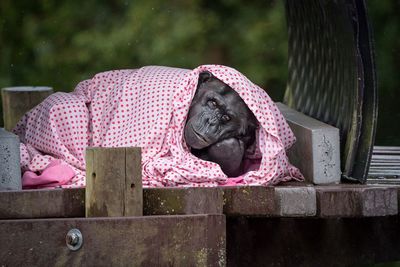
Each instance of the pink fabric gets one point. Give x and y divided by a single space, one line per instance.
147 107
54 174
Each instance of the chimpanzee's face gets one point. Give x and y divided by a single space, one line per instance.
216 113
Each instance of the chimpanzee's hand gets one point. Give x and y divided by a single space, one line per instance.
228 153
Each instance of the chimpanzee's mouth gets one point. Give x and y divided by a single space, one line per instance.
199 136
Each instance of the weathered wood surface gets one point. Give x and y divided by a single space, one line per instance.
113 182
282 201
196 240
162 201
288 200
312 242
19 100
279 201
357 201
42 203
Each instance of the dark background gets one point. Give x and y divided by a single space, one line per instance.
59 43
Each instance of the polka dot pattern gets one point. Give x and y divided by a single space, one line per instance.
147 108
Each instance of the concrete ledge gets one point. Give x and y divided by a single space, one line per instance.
356 201
317 149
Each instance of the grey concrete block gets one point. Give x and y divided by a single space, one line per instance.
317 149
10 172
296 201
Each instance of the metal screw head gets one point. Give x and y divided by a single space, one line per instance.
74 239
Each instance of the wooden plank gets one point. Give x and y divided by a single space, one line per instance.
385 168
311 242
386 149
279 201
113 182
249 200
174 201
384 181
196 240
19 100
133 182
356 201
386 157
384 164
52 203
385 161
384 172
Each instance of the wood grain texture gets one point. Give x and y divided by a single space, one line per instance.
288 200
195 240
179 201
113 182
42 203
19 100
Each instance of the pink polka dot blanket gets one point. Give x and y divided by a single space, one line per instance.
145 108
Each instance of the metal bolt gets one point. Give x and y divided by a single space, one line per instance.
74 239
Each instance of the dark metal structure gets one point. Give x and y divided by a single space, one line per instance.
332 74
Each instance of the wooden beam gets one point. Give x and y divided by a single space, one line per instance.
19 100
357 201
178 201
196 240
274 201
312 242
42 203
278 201
113 182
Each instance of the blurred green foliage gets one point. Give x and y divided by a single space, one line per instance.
385 19
59 43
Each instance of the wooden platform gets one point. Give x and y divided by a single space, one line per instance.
196 240
290 200
293 224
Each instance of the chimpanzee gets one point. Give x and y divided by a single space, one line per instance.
220 127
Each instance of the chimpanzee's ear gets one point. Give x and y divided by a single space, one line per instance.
204 76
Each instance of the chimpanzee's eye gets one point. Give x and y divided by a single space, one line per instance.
226 118
212 104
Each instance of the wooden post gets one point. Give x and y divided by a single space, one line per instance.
113 182
19 100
